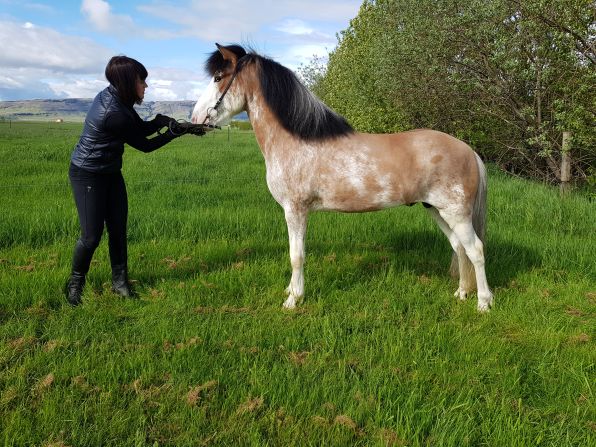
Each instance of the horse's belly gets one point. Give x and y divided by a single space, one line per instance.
351 199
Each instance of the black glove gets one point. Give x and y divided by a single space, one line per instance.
162 120
185 127
196 130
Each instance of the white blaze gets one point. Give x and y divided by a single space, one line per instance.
232 104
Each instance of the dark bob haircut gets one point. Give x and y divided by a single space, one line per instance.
122 72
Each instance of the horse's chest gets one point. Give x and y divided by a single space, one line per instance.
289 181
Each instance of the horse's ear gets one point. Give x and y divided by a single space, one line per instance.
227 55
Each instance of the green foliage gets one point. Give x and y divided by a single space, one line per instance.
508 76
380 353
241 125
312 75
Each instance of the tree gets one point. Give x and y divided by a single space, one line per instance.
313 73
507 76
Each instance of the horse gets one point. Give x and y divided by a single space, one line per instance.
316 161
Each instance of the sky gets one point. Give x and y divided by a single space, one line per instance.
59 49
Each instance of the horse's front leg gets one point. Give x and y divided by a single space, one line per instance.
296 220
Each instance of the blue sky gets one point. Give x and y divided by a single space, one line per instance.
59 49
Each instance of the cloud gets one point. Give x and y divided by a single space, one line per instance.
237 20
170 84
303 54
43 63
33 46
294 26
70 87
99 14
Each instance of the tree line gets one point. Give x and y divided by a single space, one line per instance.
515 79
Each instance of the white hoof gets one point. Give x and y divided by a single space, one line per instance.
290 303
461 294
483 308
485 302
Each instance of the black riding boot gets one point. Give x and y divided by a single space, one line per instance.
74 288
80 266
120 284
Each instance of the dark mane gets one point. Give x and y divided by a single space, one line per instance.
300 112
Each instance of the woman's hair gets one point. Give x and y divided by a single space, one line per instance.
123 72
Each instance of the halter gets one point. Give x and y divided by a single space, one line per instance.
219 101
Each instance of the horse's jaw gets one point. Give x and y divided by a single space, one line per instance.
204 112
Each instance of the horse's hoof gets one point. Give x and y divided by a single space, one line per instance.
461 294
483 308
485 303
289 304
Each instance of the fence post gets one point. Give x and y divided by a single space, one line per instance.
565 163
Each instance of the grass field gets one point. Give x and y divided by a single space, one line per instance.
380 353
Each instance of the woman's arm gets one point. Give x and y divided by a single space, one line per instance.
150 127
134 132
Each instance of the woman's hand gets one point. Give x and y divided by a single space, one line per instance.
162 120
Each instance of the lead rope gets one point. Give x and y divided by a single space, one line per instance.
181 127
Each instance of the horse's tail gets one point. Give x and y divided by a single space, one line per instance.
479 213
479 224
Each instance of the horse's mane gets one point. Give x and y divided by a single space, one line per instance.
300 112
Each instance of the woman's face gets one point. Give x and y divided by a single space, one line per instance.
141 86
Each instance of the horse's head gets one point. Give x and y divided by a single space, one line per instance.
222 99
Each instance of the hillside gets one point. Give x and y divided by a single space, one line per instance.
75 109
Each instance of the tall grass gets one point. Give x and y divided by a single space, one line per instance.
380 353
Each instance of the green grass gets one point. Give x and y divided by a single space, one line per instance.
380 353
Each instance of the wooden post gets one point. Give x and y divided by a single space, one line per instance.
565 163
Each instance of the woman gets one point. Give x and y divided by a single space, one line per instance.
97 183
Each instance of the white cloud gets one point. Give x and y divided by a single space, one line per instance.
99 14
71 87
237 20
169 84
43 63
294 26
303 54
39 47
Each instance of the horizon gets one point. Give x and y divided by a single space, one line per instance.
60 51
90 99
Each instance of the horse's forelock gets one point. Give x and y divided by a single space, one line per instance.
216 62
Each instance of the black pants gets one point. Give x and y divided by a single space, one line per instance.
99 198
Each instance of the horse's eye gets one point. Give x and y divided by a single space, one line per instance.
217 77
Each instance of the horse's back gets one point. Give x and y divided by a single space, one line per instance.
423 164
365 172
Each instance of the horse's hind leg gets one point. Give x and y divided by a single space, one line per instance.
464 231
465 269
296 221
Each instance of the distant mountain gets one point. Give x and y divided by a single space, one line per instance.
74 110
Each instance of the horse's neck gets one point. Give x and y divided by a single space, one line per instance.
270 134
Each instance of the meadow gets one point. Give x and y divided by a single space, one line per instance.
380 353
